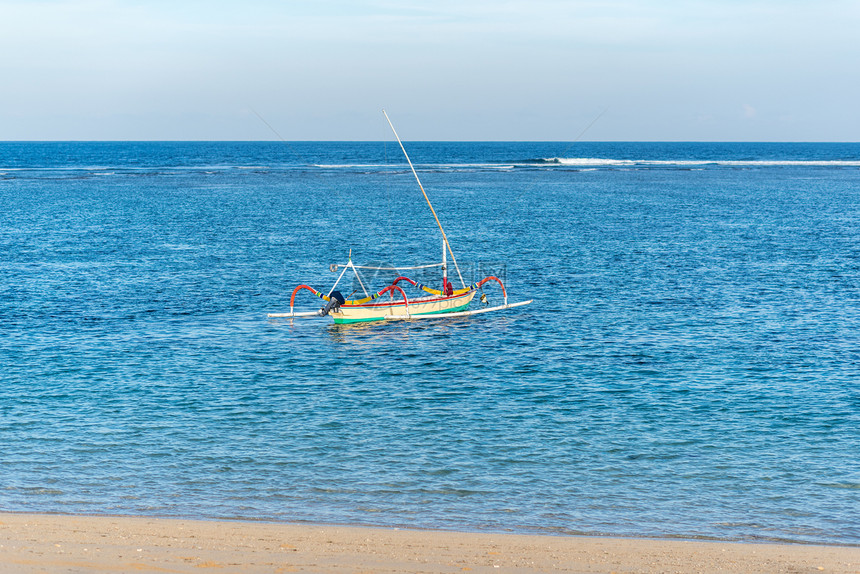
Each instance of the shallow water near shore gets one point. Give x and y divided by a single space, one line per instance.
688 368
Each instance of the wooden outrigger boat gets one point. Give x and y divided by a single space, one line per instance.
432 303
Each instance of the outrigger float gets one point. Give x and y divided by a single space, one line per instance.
430 304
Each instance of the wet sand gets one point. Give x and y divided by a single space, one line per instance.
56 543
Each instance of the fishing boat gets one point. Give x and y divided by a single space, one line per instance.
429 303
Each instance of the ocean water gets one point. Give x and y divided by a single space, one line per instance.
689 367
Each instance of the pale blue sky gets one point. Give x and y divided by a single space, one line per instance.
758 70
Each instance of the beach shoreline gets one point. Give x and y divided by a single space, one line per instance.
66 543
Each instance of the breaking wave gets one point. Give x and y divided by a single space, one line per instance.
608 162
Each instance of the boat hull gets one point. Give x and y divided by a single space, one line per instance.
379 311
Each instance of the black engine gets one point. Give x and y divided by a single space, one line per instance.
336 300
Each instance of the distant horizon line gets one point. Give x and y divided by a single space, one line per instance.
427 141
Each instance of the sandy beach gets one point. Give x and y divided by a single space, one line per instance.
55 543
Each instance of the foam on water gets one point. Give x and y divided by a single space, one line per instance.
591 162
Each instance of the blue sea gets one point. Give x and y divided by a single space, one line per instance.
689 367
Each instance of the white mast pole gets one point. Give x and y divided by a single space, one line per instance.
444 264
444 267
436 217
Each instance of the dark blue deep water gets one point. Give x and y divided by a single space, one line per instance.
689 367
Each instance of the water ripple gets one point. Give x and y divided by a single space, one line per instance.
688 368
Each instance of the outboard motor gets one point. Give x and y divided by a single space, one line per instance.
336 300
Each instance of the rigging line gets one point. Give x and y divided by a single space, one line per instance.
274 131
588 127
402 268
344 201
582 133
436 217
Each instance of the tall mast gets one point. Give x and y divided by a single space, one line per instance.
444 237
444 267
